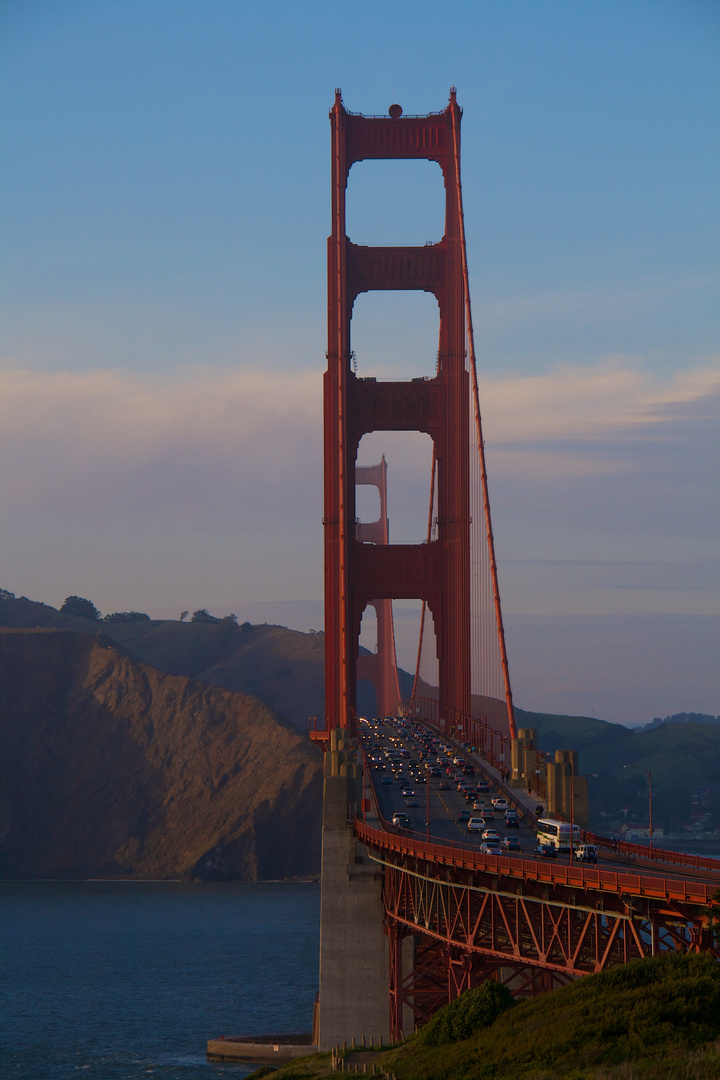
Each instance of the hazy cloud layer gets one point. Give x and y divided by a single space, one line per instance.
204 489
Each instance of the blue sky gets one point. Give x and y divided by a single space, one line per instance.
164 212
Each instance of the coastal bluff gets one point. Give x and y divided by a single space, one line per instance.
110 768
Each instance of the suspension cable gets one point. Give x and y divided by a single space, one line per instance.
480 441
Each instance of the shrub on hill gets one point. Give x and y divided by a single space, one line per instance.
127 616
471 1012
203 615
78 605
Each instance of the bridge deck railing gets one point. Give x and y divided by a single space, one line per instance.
618 882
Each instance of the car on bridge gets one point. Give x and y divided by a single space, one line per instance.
464 815
511 843
484 787
586 853
444 785
475 824
491 834
546 851
490 847
500 803
401 821
412 801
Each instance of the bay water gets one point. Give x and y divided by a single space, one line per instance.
128 980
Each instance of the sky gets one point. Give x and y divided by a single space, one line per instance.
164 209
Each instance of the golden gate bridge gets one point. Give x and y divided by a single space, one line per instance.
410 919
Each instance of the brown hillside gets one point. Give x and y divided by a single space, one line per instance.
109 767
284 668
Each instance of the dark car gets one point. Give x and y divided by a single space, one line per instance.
512 822
546 851
444 785
469 770
484 787
464 815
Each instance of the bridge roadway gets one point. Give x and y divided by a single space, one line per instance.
437 815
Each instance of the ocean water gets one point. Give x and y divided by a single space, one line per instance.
128 980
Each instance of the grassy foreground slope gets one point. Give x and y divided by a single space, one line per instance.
654 1019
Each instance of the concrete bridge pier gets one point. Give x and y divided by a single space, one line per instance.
354 968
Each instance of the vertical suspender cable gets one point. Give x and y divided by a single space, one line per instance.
481 446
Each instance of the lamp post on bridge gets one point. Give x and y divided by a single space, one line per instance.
649 776
503 739
427 801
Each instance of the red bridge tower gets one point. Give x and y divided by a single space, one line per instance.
438 572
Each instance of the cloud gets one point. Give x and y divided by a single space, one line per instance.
590 402
216 475
101 437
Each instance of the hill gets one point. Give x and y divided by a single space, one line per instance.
682 758
110 768
653 1019
284 669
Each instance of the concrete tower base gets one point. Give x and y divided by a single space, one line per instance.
354 967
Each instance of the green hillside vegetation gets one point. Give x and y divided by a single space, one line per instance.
683 758
647 1011
653 1019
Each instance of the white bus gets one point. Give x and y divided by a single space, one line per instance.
557 834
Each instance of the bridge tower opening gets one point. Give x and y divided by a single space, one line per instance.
379 667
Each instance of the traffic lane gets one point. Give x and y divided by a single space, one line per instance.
446 806
445 810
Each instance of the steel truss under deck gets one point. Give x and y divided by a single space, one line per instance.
469 925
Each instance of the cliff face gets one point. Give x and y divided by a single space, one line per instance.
111 768
284 668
